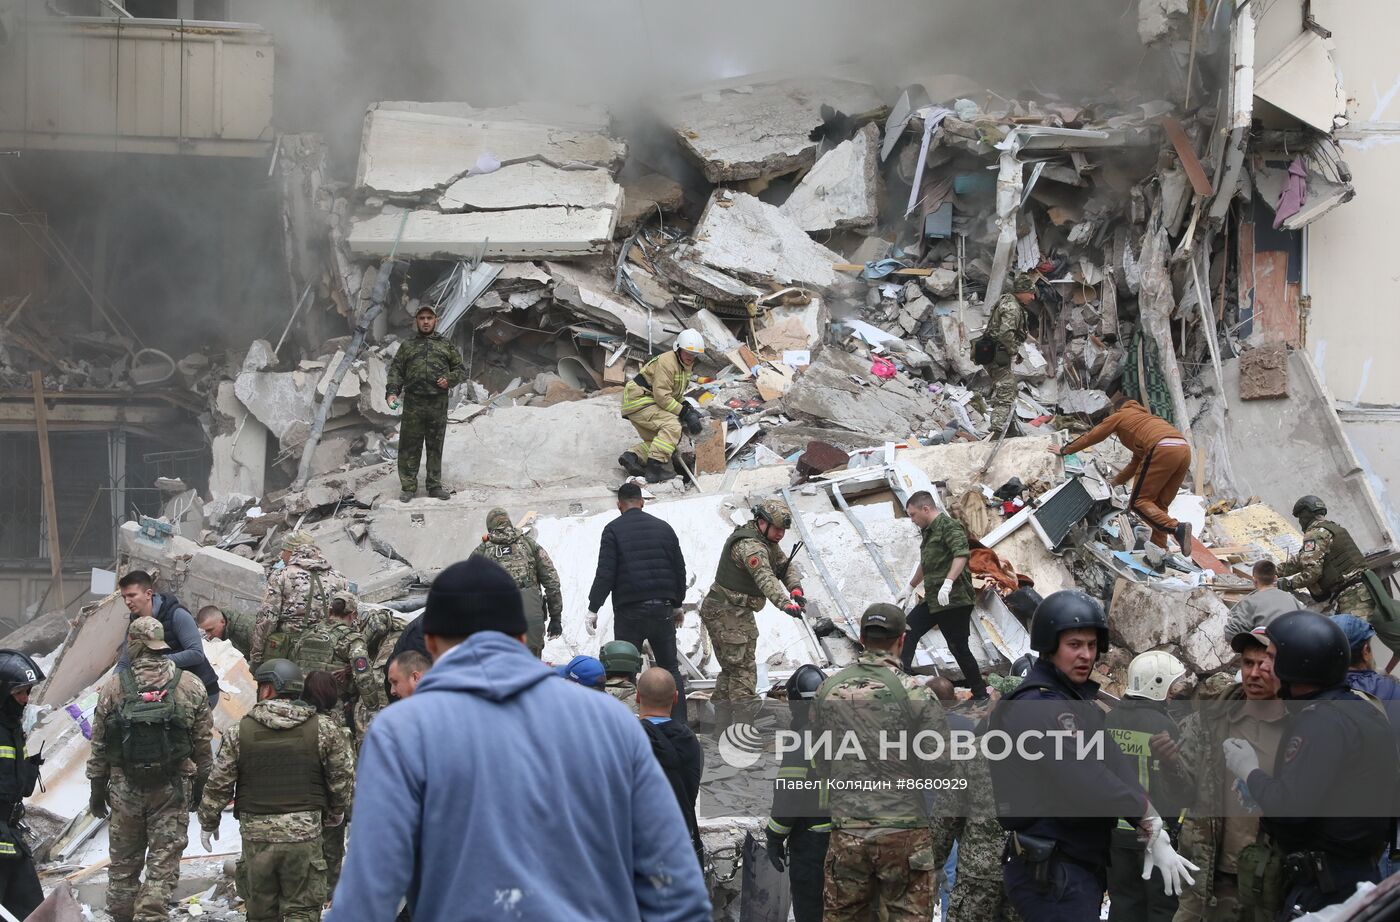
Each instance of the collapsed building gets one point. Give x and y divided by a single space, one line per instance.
838 241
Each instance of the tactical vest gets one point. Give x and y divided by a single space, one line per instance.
279 771
151 734
239 631
734 576
1341 561
317 648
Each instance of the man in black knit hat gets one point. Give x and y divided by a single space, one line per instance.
471 764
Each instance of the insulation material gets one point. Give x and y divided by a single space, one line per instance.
1257 526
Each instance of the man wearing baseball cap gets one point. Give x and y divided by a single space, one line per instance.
462 768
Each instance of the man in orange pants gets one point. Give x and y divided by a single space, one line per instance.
1161 460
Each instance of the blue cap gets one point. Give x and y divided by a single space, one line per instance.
1358 631
585 670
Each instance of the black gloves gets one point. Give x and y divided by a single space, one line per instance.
196 793
777 850
97 802
691 420
555 628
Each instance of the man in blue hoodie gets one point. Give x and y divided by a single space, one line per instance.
459 806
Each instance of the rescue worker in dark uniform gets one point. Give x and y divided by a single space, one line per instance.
20 892
797 842
1062 810
1330 797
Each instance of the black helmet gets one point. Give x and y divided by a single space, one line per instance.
803 684
17 672
283 675
1022 665
1310 648
1312 505
1064 611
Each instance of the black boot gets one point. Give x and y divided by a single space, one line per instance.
630 463
1183 537
657 472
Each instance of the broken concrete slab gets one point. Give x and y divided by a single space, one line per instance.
681 264
349 388
591 297
409 148
827 391
748 238
648 195
1264 374
1302 81
532 185
748 132
239 453
377 578
842 190
1089 402
283 401
197 575
530 233
88 652
1143 617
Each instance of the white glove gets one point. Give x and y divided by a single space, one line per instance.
592 622
207 839
1159 854
945 593
1240 758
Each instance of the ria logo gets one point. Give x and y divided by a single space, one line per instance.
741 745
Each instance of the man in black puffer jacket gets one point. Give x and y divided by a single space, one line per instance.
640 565
674 744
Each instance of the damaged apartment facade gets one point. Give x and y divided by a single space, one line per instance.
207 283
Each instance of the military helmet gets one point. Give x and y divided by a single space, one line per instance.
497 518
1022 283
1064 611
620 658
1152 674
1309 648
803 684
343 603
18 672
775 512
282 674
1309 504
296 540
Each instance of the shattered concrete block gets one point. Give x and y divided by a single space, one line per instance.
761 131
199 576
240 452
647 195
842 190
259 356
681 264
411 148
1088 402
748 238
283 401
532 185
826 391
528 233
349 385
592 297
1033 365
1159 19
941 283
1144 617
1264 374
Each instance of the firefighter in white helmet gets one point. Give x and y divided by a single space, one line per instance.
1143 728
653 401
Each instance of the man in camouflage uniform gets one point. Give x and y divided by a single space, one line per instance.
236 627
1007 328
424 369
333 645
749 571
151 755
1330 564
529 565
882 847
291 772
969 817
380 630
653 401
621 663
297 596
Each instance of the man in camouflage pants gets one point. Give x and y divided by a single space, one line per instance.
882 848
296 597
291 771
335 646
151 755
423 370
747 577
1329 565
529 565
1007 327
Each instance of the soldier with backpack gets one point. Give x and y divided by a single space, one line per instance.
151 734
335 646
297 596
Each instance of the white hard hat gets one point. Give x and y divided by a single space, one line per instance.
1152 674
691 341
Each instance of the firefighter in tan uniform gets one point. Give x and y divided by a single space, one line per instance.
752 570
653 401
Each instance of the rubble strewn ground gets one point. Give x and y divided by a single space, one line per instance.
839 244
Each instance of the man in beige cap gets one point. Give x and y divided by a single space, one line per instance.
297 596
151 755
